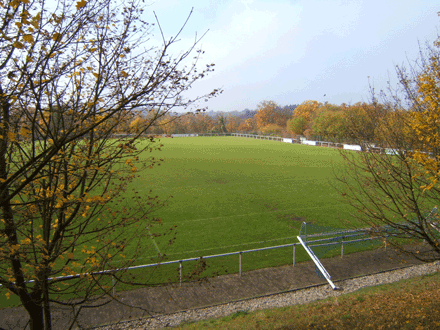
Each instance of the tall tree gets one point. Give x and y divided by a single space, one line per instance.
362 120
270 113
297 125
302 120
330 123
70 74
308 110
398 192
249 125
220 126
232 123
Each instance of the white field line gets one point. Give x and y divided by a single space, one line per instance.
215 248
219 186
248 214
229 246
154 241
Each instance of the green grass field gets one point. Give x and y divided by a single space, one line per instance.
233 194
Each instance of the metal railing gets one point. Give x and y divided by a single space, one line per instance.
239 253
297 140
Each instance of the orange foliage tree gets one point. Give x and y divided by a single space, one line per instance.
302 119
249 125
69 76
270 113
233 123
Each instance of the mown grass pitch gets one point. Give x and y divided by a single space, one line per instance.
232 194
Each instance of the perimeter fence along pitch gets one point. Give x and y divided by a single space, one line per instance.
233 194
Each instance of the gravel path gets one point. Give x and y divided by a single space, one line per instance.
300 296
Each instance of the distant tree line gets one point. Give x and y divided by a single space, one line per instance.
312 119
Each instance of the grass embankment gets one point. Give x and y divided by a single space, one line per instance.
407 304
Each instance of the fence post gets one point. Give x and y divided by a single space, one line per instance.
342 248
385 243
114 284
180 272
294 254
240 262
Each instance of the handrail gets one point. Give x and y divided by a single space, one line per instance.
180 261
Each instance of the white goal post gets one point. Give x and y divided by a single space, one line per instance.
318 264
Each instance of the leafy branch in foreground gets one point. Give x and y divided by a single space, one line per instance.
75 78
398 192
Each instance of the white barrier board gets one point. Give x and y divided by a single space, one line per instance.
288 140
183 135
352 147
308 142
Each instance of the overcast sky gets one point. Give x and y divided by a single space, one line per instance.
290 51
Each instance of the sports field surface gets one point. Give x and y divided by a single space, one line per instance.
234 194
231 194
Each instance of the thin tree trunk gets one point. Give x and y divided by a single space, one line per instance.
46 307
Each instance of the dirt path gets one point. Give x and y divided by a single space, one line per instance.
227 288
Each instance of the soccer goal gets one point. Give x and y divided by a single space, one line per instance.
319 240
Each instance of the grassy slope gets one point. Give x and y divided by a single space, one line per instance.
407 304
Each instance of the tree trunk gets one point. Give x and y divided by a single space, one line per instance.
46 307
35 311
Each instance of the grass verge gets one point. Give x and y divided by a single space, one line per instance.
408 304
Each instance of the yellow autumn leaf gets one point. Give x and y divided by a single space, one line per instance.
25 241
56 36
24 132
16 3
125 74
11 136
18 45
81 4
28 38
70 255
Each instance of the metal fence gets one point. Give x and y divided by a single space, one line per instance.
239 253
301 140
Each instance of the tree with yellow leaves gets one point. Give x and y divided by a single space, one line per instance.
397 192
425 122
303 116
74 76
270 113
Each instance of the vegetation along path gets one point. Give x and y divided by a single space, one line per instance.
219 290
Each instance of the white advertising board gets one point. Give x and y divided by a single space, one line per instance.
352 147
308 142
